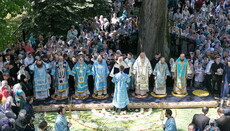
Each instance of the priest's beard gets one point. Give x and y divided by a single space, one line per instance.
39 65
142 60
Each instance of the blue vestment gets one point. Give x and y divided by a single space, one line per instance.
81 73
161 72
170 125
181 69
100 72
121 99
41 81
61 71
61 123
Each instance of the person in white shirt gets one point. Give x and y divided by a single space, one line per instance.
208 77
185 12
177 15
114 19
29 59
199 76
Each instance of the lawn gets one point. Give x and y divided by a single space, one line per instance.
133 120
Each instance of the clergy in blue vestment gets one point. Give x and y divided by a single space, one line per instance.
121 80
180 70
130 61
81 72
41 81
100 73
170 124
160 73
60 72
61 124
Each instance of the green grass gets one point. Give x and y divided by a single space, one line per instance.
88 120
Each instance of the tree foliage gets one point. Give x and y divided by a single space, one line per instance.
54 17
9 9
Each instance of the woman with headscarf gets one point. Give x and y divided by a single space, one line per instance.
25 86
17 87
211 126
20 101
6 108
5 124
22 71
5 91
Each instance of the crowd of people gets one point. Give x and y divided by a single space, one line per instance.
95 57
204 24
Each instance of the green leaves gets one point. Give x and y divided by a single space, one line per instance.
9 9
54 17
46 17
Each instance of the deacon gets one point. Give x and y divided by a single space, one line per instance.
61 123
81 72
160 73
100 73
60 72
130 61
180 71
120 99
41 81
142 70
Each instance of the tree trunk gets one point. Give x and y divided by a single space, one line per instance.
153 28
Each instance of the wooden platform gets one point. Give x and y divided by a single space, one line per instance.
174 105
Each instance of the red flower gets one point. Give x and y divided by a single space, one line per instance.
136 115
116 117
147 111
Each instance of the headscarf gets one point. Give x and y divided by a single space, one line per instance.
5 93
19 92
17 87
5 107
5 123
1 97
